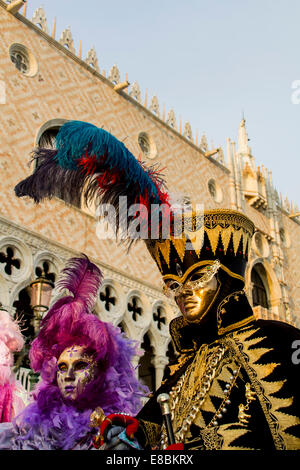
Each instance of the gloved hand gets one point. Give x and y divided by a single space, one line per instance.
112 440
128 423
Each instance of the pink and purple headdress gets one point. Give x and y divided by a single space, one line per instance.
69 322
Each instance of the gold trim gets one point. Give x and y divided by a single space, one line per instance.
219 225
182 279
244 356
179 244
239 324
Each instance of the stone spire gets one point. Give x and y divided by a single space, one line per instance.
243 145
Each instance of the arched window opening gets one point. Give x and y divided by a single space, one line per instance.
259 293
47 139
25 315
146 368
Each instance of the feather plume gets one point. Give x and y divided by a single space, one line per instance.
82 278
90 162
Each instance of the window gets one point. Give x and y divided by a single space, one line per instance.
146 368
215 190
47 139
147 145
259 293
23 60
212 188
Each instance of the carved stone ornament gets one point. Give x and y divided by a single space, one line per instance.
66 39
188 131
203 143
39 18
154 106
220 156
135 92
91 59
114 75
171 120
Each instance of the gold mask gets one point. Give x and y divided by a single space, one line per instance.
75 370
195 296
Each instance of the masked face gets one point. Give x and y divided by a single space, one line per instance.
75 370
196 295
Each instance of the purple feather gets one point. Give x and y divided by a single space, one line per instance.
82 278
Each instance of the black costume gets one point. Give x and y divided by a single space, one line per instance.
234 384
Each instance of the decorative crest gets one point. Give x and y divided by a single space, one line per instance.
66 40
188 131
203 143
39 18
171 120
92 60
114 75
154 106
135 92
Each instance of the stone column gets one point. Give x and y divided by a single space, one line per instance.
159 363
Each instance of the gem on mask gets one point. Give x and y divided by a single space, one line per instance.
179 270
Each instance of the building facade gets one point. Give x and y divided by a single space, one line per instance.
43 83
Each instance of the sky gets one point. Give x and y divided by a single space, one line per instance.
210 60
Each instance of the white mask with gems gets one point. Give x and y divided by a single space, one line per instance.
75 370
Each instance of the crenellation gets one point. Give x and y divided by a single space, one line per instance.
188 131
39 18
154 106
92 60
171 119
114 75
135 92
66 39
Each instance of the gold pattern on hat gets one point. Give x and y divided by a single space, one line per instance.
164 248
226 223
236 238
225 236
179 244
196 238
213 236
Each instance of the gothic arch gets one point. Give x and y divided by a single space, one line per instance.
270 281
52 123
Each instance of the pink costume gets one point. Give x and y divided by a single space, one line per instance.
11 391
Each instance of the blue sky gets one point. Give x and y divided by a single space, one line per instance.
209 60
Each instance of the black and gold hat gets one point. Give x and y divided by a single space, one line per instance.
222 234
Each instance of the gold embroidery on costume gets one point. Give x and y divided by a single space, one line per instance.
230 433
250 396
221 311
278 420
211 439
181 361
152 431
190 392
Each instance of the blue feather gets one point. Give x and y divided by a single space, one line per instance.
75 138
